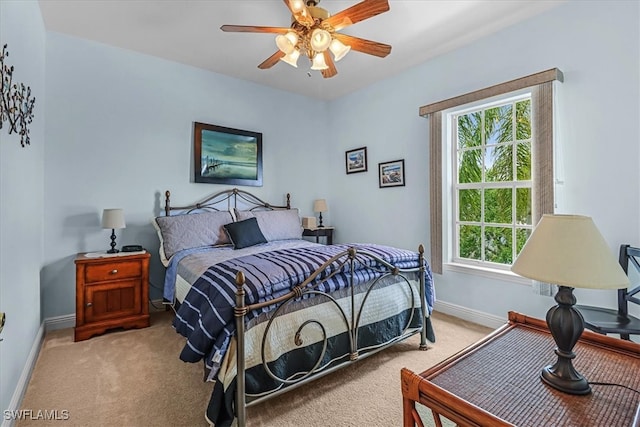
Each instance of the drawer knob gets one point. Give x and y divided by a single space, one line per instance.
89 304
114 271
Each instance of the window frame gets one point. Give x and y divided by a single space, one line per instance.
542 85
450 133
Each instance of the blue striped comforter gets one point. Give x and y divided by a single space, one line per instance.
206 316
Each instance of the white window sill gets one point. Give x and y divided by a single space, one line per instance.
489 273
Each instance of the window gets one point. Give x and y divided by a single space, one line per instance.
491 191
540 188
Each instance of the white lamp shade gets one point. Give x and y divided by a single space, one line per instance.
338 49
320 205
318 62
568 250
113 218
287 42
291 58
320 40
296 5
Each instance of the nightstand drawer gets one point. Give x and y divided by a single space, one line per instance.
112 271
320 232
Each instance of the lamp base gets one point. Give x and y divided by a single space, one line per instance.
320 221
113 249
565 378
566 325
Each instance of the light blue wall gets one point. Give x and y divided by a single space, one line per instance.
597 46
119 133
21 196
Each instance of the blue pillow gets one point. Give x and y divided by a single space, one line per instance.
245 233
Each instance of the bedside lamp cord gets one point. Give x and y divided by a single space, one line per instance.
616 385
636 418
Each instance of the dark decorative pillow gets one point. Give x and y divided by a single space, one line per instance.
245 233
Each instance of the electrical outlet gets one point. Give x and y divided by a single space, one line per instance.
2 320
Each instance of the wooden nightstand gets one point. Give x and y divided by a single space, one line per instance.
320 232
111 292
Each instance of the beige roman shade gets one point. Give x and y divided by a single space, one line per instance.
541 85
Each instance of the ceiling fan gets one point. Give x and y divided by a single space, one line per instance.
314 33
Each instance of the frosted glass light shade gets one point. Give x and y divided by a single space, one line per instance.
338 49
320 205
287 42
296 5
113 218
320 40
318 62
291 58
568 250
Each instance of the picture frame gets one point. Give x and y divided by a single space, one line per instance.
356 160
225 155
391 174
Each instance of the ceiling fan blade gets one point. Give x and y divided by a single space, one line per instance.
271 61
300 12
364 46
253 29
356 13
331 71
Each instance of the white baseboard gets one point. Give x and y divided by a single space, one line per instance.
25 376
479 317
69 320
59 322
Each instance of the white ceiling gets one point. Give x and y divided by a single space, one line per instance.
188 31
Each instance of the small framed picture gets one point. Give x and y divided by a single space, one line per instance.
391 173
356 160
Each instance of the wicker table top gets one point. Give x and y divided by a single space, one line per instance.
502 377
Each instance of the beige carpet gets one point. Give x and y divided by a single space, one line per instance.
134 378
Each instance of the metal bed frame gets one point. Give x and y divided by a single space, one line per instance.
350 257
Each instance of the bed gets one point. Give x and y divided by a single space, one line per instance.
253 297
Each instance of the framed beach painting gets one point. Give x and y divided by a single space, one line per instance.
391 174
227 156
356 160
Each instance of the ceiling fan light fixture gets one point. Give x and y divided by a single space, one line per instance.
287 42
291 58
314 33
296 5
338 49
318 62
320 40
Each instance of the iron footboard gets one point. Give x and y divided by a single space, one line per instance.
347 258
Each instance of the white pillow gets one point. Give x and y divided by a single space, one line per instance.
276 224
179 232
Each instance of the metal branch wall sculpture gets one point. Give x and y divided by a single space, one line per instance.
16 105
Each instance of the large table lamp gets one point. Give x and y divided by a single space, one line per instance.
568 250
113 219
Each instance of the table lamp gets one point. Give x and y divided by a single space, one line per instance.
568 250
113 218
320 206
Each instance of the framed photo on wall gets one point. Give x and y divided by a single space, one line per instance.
391 174
356 160
227 156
